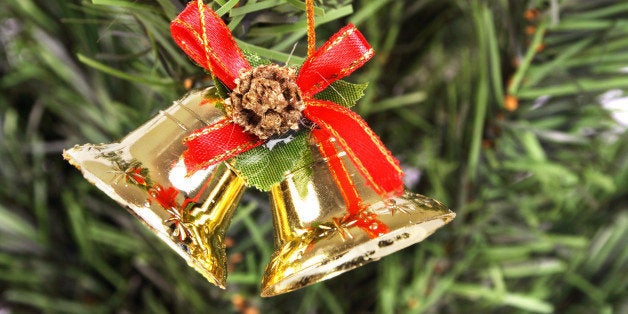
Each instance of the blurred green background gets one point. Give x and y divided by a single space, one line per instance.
513 113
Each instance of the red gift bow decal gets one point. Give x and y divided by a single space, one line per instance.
204 36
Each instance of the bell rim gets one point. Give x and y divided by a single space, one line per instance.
269 289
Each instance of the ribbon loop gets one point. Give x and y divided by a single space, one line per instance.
342 54
205 38
365 149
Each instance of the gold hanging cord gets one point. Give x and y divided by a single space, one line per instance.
311 33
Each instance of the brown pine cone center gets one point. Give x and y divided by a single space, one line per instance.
266 101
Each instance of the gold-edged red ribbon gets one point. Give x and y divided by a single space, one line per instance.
348 190
204 36
216 143
364 148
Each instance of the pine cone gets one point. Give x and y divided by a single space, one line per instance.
266 101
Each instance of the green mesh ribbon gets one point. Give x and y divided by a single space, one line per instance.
343 93
254 59
262 167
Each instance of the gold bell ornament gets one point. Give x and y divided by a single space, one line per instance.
337 194
316 235
143 173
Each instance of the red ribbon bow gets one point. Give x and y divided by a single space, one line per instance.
203 35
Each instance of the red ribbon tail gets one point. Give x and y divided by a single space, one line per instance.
345 185
343 53
356 214
364 148
205 38
216 143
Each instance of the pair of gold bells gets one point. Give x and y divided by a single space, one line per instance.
191 213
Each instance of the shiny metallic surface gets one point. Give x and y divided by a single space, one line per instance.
314 243
314 239
143 172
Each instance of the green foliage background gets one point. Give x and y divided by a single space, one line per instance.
540 188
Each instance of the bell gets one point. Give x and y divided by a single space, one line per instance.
317 239
143 172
